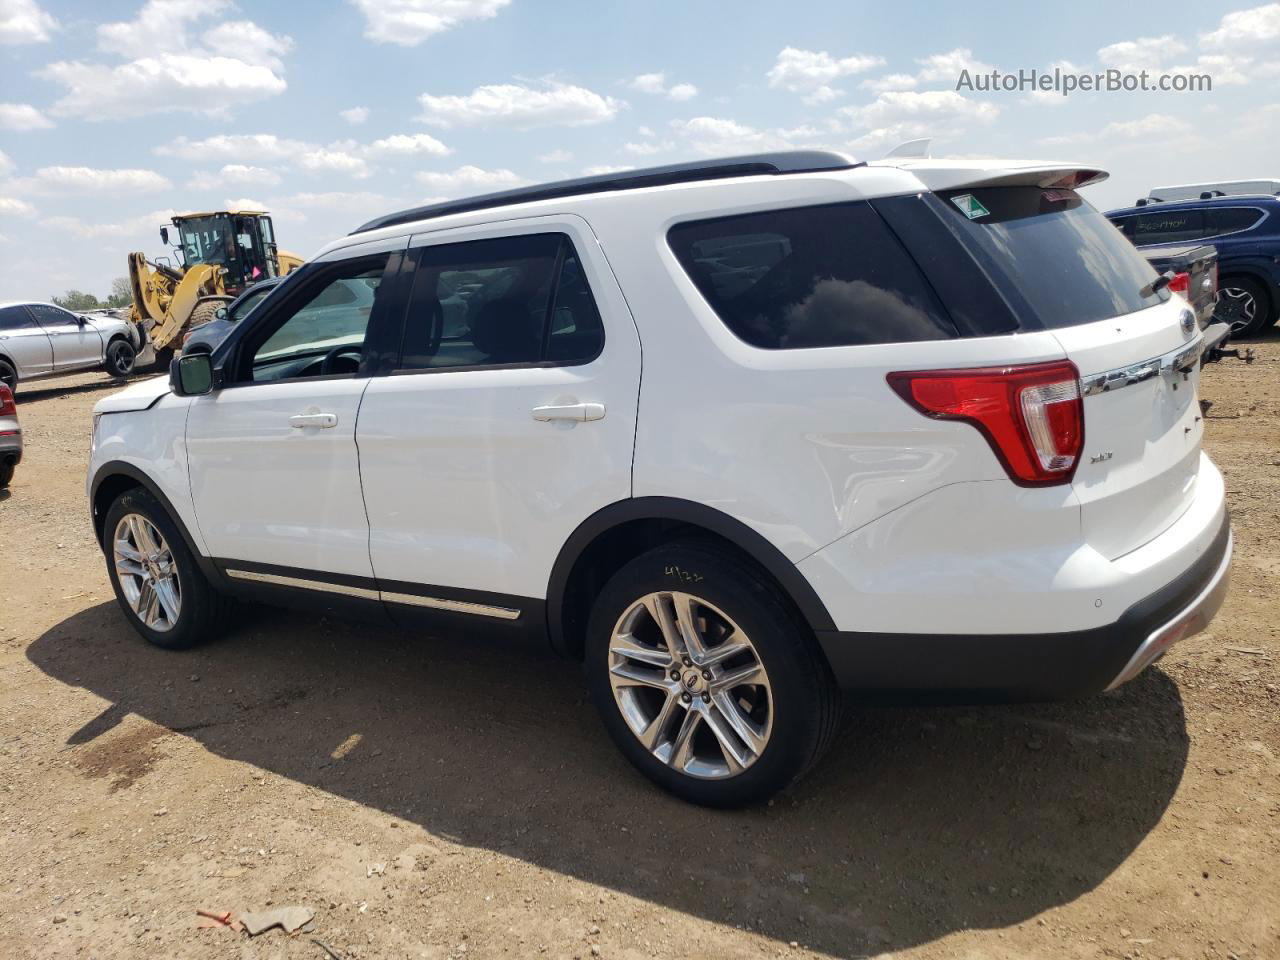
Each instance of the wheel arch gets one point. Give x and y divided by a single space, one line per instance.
117 476
614 534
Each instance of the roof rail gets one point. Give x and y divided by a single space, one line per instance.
786 161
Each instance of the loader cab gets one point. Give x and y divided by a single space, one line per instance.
241 242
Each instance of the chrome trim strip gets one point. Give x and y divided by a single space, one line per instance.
364 593
319 585
1182 359
456 606
1154 646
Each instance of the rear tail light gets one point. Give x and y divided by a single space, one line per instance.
1031 414
7 407
1181 283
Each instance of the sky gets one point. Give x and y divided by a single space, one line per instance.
114 114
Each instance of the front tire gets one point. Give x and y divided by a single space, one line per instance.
120 358
159 586
705 678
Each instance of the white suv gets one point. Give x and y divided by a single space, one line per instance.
733 433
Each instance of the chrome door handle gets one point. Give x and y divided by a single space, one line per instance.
580 412
321 420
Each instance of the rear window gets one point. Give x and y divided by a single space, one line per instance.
1222 220
1055 256
810 277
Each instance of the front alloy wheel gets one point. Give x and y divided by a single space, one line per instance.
690 685
147 573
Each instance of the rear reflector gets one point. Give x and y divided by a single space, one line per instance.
7 407
1031 414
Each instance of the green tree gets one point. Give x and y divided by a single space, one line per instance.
77 300
121 293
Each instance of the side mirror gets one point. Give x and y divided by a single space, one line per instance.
164 235
220 313
191 375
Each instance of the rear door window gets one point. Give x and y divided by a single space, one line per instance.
823 276
507 301
15 318
1168 226
1057 260
1220 220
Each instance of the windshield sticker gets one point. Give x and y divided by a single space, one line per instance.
970 206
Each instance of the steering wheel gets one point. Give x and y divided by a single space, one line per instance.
329 365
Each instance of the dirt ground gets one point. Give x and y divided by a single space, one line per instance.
437 799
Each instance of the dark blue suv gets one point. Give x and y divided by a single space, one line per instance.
1246 232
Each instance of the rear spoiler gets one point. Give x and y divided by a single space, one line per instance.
955 174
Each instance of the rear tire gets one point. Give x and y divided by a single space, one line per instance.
120 358
1243 304
716 728
6 474
157 582
8 375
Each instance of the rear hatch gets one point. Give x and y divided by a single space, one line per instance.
1064 268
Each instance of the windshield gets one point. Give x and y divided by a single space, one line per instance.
246 303
1068 262
207 240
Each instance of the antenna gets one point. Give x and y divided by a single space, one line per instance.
917 149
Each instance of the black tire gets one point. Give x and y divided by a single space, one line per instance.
1239 296
203 613
120 358
6 474
8 375
164 357
205 311
805 700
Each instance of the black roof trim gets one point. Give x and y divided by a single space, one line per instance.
786 161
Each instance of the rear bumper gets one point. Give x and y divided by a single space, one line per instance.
1040 665
10 445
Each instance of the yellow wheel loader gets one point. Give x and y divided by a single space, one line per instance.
216 256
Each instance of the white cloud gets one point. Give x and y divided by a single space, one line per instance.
22 21
409 22
890 81
339 200
402 144
718 136
93 180
236 62
234 146
337 158
244 203
22 116
242 173
656 83
556 156
355 116
468 178
135 227
6 163
811 71
600 169
946 67
1145 53
13 207
647 148
519 106
1245 29
1153 125
900 115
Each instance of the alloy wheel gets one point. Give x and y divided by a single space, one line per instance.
1237 307
690 685
147 573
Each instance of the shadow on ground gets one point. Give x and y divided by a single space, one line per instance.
53 387
920 822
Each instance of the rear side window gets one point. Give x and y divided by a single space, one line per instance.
1220 220
511 300
1058 261
15 318
823 276
1168 226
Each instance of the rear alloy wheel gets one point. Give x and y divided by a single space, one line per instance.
690 685
1243 305
705 676
120 357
